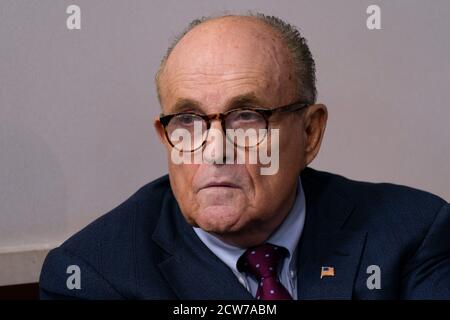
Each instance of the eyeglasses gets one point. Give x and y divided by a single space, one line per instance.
245 118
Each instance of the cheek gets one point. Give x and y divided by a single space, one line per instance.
290 153
181 169
181 177
291 147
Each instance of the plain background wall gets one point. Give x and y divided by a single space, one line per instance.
76 106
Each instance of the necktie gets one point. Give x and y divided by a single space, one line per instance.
262 262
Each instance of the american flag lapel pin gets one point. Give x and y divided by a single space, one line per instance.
326 272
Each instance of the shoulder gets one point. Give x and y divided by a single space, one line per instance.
118 224
106 249
386 205
388 194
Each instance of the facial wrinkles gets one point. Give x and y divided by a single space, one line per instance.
207 90
216 89
204 78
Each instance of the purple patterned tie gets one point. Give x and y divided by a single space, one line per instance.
262 262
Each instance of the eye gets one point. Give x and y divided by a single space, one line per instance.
186 119
247 116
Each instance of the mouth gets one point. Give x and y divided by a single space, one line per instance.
228 185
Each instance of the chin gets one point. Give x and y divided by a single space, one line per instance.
220 219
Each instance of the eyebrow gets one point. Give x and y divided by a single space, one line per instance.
185 104
247 99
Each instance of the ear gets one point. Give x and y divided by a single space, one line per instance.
160 130
315 121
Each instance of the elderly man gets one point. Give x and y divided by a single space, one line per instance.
222 229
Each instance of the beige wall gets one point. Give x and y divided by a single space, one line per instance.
76 107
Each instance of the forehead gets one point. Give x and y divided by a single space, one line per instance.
220 60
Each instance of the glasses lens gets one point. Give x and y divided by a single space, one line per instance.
248 127
186 132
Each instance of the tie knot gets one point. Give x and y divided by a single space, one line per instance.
261 261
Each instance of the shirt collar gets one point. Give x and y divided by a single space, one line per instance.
287 235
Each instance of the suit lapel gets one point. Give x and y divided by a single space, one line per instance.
340 253
327 243
191 279
191 269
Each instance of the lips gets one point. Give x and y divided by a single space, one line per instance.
215 184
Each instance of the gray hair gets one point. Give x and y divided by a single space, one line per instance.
303 60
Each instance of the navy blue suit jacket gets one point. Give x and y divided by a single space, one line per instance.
144 248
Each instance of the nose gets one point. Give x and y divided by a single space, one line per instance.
215 148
